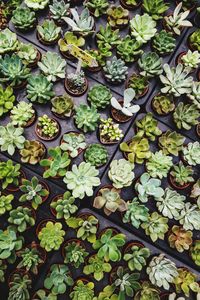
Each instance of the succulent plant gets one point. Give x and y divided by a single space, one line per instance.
99 96
75 254
148 127
57 164
30 259
176 82
48 31
52 66
82 24
27 52
107 293
155 8
178 20
5 203
82 290
64 206
3 268
109 244
139 83
162 271
86 227
115 70
51 236
59 9
44 295
195 192
36 4
22 113
9 173
58 279
147 292
110 200
96 267
170 204
21 218
9 244
164 42
171 142
195 252
32 152
129 49
182 174
96 154
110 131
98 7
73 143
7 99
191 59
70 38
117 16
107 37
86 118
180 239
194 95
159 164
82 179
186 281
155 227
189 217
186 115
163 104
23 18
33 192
76 82
8 41
136 257
62 105
137 149
143 28
194 40
191 153
151 64
39 89
19 287
48 127
121 173
11 138
12 70
136 213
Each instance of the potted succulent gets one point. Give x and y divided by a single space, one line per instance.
96 154
186 115
162 104
195 251
139 83
23 114
147 291
108 291
76 84
29 54
194 41
179 238
48 32
44 295
115 71
171 142
7 99
62 106
181 176
24 19
155 227
159 164
74 143
136 213
96 267
32 152
8 41
107 35
186 281
100 60
130 4
189 216
11 175
74 253
36 4
82 289
118 17
19 284
5 203
58 10
22 218
148 127
150 64
47 128
11 138
129 49
155 8
109 132
164 43
121 173
189 59
195 192
86 118
96 7
136 256
70 38
191 153
99 96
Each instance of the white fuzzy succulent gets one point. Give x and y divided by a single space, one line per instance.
126 108
190 216
194 95
191 59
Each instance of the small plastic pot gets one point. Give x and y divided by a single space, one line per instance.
146 89
163 114
118 115
76 93
45 138
67 242
176 186
54 199
46 43
42 224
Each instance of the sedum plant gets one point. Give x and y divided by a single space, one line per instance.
129 49
109 244
176 82
64 206
32 152
99 96
82 290
182 174
73 143
195 252
143 28
33 192
8 41
191 153
48 127
155 8
51 236
147 292
179 238
52 66
39 89
194 95
163 104
48 31
117 16
164 43
21 218
186 281
7 99
23 18
162 271
107 37
109 199
75 254
98 7
115 70
151 64
148 127
70 38
136 257
189 217
159 164
96 154
30 260
96 267
11 138
82 179
36 4
110 131
9 244
121 173
186 115
156 226
148 187
19 287
28 53
57 164
9 173
191 59
62 105
59 9
170 204
136 213
22 113
5 203
86 118
171 142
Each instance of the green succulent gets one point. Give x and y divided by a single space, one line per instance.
147 292
82 291
22 113
182 174
48 31
99 96
86 227
59 9
36 4
19 287
137 149
194 95
171 142
76 82
121 173
5 203
75 254
186 115
12 70
107 294
82 179
57 164
9 244
159 164
44 295
96 154
73 143
164 42
64 206
32 152
7 99
115 70
98 7
21 218
151 64
9 173
3 268
109 200
23 18
194 40
117 16
58 279
195 252
110 131
109 244
48 127
51 236
8 41
180 239
107 37
163 104
11 138
191 59
39 89
27 52
32 191
148 127
186 281
189 217
86 118
156 226
139 83
195 192
96 267
30 260
155 8
191 153
136 257
129 49
136 213
70 39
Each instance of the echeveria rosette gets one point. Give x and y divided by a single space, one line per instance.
191 153
36 4
96 267
121 173
159 164
8 41
136 213
190 216
156 226
11 138
5 203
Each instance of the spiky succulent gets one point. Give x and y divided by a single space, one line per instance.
22 113
5 203
186 115
171 142
11 138
8 41
98 7
182 174
155 8
48 31
21 218
7 98
73 143
32 152
99 96
136 257
151 64
179 238
191 153
189 217
117 16
36 4
62 105
164 42
30 259
148 127
163 104
129 49
23 18
121 173
115 70
96 154
136 213
59 9
156 226
159 164
86 118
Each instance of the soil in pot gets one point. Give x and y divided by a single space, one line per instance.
74 92
118 115
38 131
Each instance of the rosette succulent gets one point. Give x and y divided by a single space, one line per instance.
30 259
96 154
22 113
32 152
189 217
136 213
164 43
107 36
9 173
115 70
20 285
11 138
7 99
5 203
136 257
121 173
82 290
179 238
191 59
28 53
48 31
194 40
181 174
70 38
73 143
195 252
86 118
151 64
117 16
8 41
23 18
36 4
75 254
62 105
129 49
99 96
96 267
98 7
21 218
147 292
59 9
186 115
9 244
171 142
191 153
148 127
156 226
194 95
163 104
186 281
159 164
155 8
143 28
